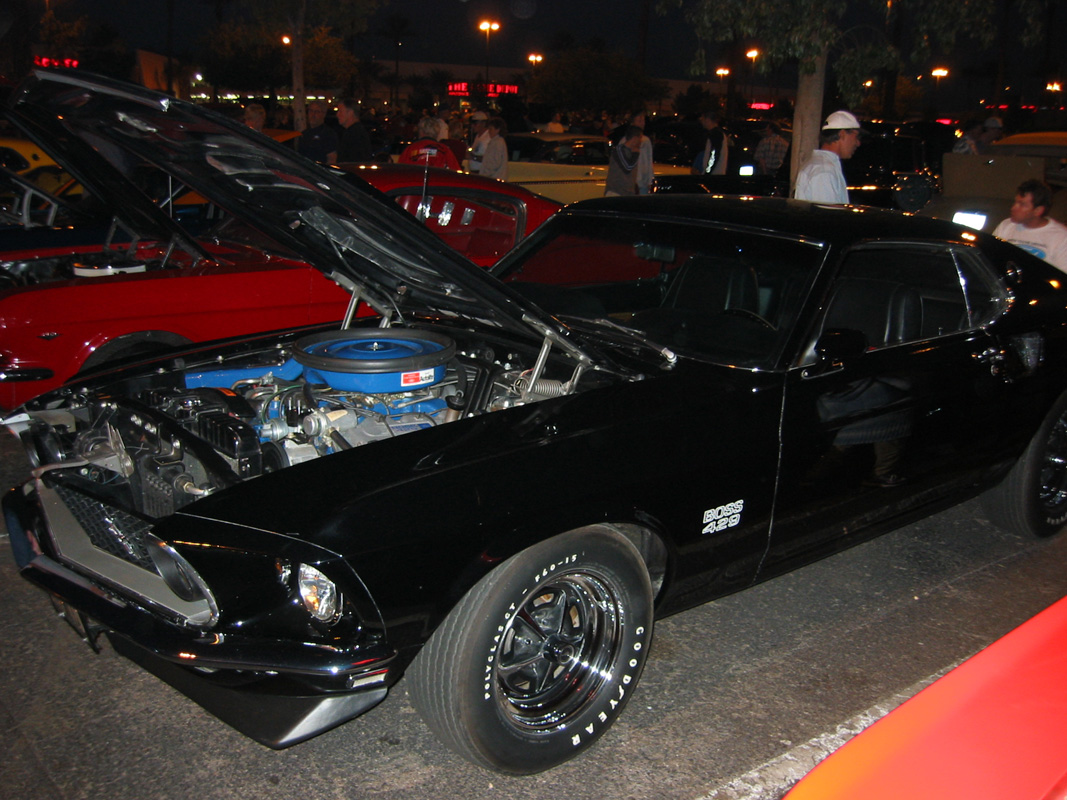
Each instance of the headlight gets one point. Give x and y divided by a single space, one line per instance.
320 595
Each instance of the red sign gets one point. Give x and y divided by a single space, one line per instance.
45 61
463 89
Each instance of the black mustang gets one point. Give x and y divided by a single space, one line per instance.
495 483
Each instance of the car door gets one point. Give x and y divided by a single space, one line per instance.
901 409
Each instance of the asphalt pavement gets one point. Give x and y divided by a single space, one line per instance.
739 696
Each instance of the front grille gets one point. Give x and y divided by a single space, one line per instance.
110 529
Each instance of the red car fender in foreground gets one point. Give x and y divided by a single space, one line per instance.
994 727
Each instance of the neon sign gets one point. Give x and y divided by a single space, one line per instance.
463 89
45 61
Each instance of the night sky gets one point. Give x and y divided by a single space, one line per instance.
443 31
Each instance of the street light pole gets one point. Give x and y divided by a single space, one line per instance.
938 73
752 54
722 72
488 26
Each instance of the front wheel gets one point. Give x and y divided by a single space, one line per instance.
1032 498
537 660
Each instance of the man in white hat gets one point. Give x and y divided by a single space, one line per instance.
992 129
822 179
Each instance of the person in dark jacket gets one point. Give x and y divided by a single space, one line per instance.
354 143
318 142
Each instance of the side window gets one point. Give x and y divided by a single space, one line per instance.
482 228
900 294
984 295
595 153
563 154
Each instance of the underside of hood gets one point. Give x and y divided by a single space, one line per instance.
351 233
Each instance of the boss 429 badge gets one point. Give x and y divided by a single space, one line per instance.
722 517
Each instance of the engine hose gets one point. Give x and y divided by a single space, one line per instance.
459 400
339 440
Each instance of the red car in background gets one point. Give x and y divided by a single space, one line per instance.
137 281
482 218
995 727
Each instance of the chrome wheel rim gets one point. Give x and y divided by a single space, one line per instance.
557 651
1053 482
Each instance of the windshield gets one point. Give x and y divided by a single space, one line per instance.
728 296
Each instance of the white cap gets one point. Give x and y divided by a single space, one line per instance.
840 120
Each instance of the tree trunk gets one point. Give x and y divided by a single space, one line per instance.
807 116
300 120
889 93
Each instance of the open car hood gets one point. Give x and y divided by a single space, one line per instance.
103 128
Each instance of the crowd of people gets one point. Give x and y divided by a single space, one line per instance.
476 142
452 141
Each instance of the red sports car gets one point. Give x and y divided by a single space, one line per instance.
480 217
992 728
138 282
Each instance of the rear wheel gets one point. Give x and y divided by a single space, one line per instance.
1032 499
538 659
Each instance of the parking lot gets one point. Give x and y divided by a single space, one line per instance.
738 696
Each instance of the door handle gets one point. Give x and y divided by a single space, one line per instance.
994 357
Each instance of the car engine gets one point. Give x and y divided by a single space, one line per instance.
165 446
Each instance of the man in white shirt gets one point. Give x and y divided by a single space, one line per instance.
495 158
479 138
1030 228
822 179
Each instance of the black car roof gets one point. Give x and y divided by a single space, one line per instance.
797 218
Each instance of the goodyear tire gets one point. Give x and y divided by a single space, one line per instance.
1032 498
538 659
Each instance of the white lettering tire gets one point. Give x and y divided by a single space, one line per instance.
539 658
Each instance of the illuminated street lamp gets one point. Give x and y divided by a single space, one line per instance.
535 59
722 72
488 26
938 73
752 54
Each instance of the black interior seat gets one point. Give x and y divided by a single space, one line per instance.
886 312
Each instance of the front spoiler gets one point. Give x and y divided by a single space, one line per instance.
266 690
276 720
